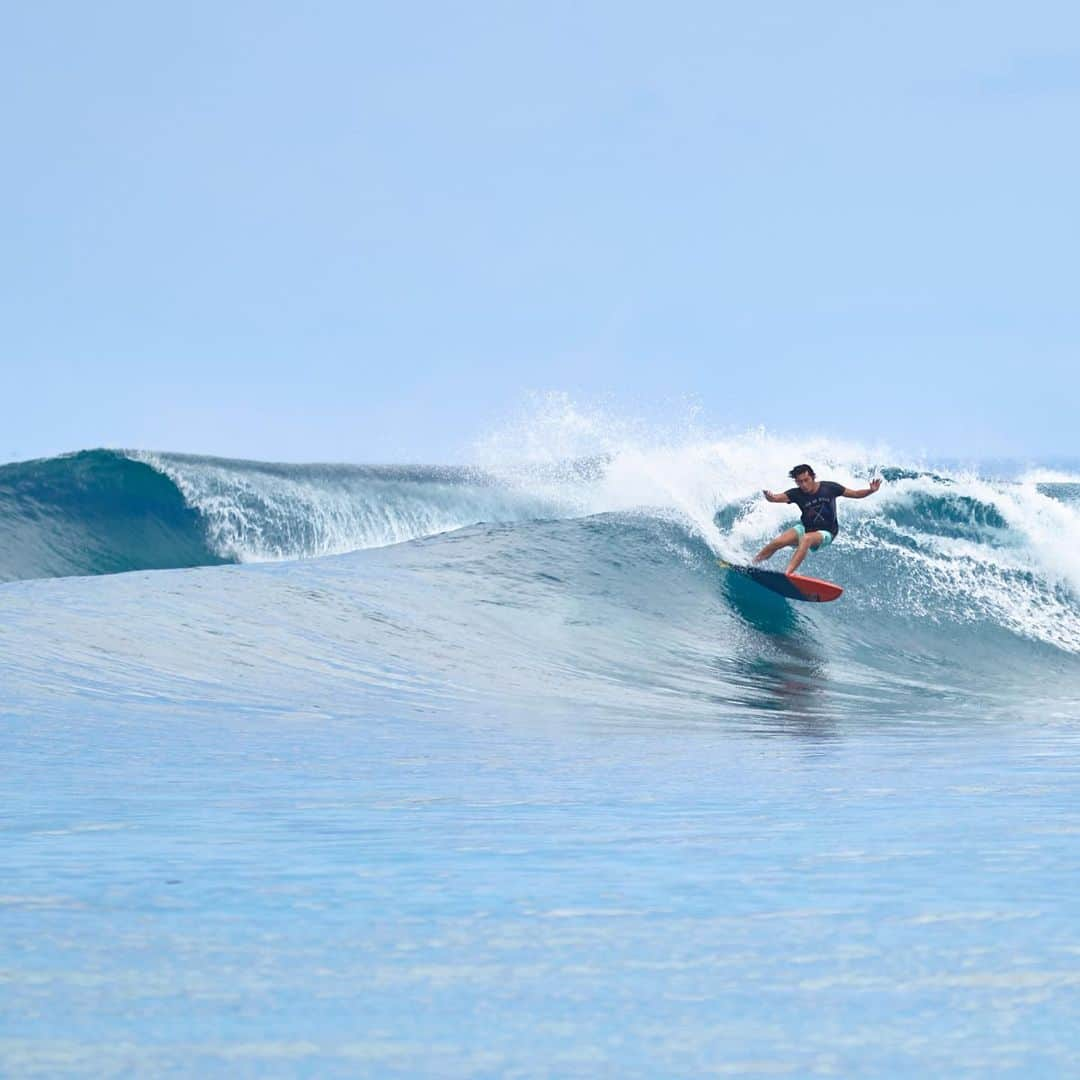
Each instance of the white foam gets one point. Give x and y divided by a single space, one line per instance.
682 469
1027 580
256 514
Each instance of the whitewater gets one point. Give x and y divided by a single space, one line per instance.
491 770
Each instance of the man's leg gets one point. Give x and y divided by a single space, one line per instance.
789 538
802 548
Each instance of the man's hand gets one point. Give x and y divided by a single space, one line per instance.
773 497
861 493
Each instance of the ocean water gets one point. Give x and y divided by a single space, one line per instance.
492 771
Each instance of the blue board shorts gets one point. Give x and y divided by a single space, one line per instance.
826 536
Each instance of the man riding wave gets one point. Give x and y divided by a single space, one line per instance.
818 527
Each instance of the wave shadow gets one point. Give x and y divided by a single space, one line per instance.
776 668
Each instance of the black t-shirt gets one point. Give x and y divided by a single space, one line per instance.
818 509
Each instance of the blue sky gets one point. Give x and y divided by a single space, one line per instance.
366 232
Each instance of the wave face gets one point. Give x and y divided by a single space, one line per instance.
934 546
613 615
106 511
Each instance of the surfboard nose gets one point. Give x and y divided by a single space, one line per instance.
793 586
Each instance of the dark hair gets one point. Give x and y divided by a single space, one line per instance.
794 474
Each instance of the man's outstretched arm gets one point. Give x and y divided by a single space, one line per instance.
782 497
861 493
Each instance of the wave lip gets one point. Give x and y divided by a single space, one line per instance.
260 511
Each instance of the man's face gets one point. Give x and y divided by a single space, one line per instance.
805 481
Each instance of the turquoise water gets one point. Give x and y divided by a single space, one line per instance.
519 783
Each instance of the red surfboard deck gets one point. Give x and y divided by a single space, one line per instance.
793 586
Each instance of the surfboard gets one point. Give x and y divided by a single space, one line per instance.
793 586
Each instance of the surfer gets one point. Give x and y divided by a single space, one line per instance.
817 501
